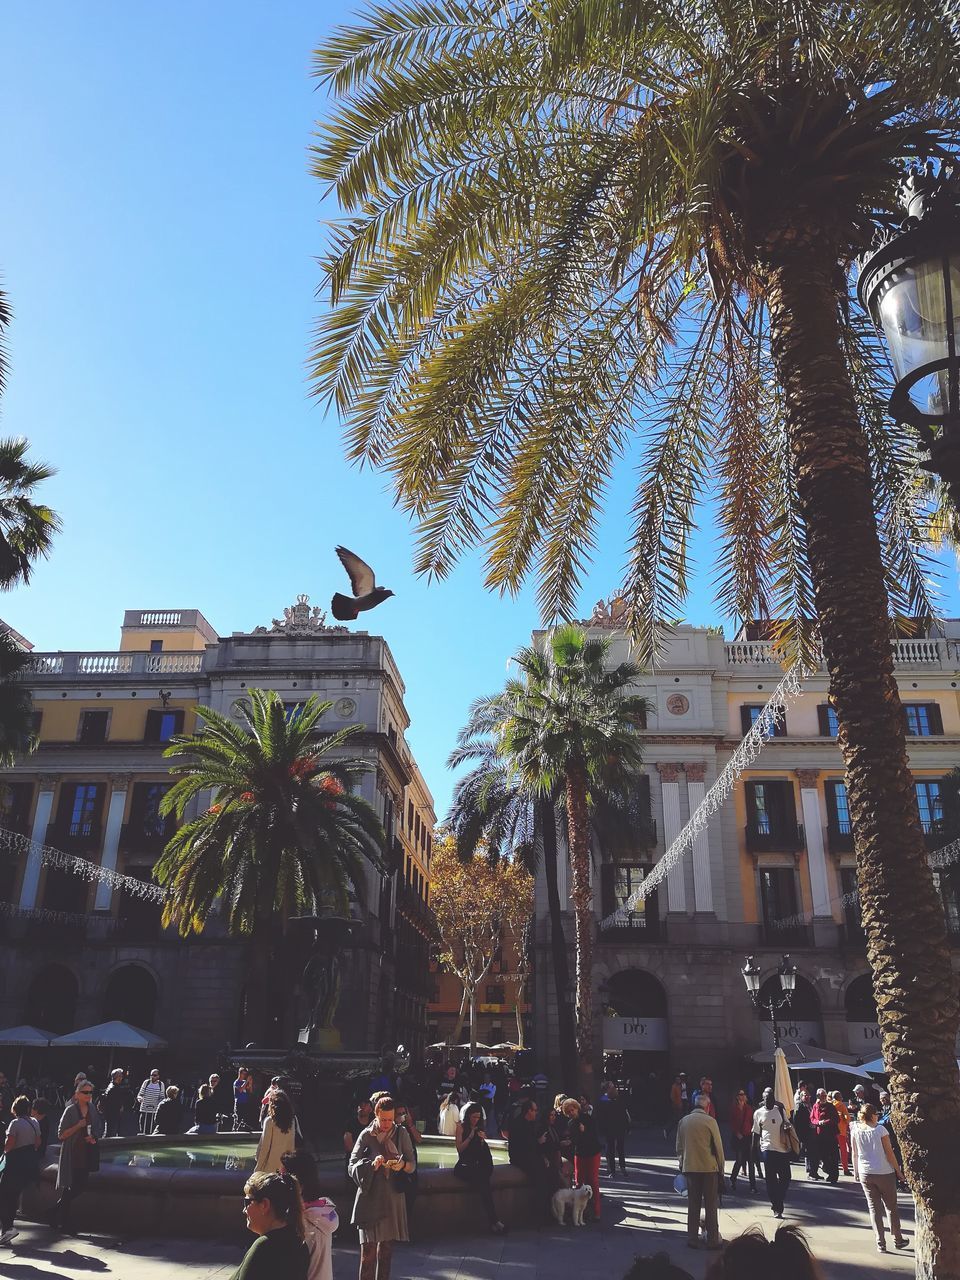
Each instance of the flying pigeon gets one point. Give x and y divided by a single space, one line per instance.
366 593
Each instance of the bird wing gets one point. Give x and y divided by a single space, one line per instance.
361 575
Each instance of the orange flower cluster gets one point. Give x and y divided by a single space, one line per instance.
215 808
246 797
300 768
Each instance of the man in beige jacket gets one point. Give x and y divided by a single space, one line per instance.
700 1149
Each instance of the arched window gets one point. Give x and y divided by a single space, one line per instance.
804 1006
861 1006
52 1000
131 996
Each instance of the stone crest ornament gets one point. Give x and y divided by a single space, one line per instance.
610 614
678 704
300 619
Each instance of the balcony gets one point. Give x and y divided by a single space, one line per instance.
636 930
940 654
414 909
840 837
772 934
138 837
98 666
770 837
74 837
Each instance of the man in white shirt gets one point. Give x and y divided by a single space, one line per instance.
770 1124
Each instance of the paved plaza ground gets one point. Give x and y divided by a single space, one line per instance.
641 1215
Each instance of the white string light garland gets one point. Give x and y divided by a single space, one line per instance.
756 738
15 843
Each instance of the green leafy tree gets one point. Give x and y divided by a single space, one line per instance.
574 222
16 704
568 725
283 835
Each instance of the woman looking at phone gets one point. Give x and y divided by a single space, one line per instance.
382 1151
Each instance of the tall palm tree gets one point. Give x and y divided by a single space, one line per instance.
27 527
568 725
284 833
576 220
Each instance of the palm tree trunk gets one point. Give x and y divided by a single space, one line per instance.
566 1029
578 830
914 984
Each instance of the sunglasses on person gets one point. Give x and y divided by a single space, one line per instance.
85 1092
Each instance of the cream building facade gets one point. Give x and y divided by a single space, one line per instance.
770 874
76 953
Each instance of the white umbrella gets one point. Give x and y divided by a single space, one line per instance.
782 1088
110 1035
25 1037
505 1048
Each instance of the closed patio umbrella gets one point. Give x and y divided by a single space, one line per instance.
782 1088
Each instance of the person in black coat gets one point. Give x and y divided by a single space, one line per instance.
118 1106
582 1132
528 1146
170 1113
613 1125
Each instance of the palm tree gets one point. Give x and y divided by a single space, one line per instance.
17 734
284 833
568 726
576 221
27 528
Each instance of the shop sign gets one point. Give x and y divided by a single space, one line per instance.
792 1031
864 1038
623 1034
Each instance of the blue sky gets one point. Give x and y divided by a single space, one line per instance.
158 236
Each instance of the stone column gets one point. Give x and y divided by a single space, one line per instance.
813 832
702 882
111 838
670 795
38 834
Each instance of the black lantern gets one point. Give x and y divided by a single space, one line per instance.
910 283
771 1006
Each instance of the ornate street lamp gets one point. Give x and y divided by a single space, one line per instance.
910 284
787 973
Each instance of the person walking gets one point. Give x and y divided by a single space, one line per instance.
274 1213
843 1130
118 1107
705 1088
770 1127
80 1130
678 1102
475 1163
278 1134
320 1217
613 1125
876 1168
825 1126
741 1134
585 1143
150 1095
380 1209
700 1149
21 1164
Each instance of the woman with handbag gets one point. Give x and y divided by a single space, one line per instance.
380 1210
21 1164
475 1165
81 1128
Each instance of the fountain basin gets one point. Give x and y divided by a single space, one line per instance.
193 1186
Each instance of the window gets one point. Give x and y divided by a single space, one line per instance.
409 815
93 726
292 710
778 894
838 807
828 720
851 906
161 725
771 816
145 818
749 714
15 798
930 803
948 886
156 646
82 808
618 882
923 719
495 994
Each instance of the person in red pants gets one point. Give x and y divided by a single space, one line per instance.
582 1131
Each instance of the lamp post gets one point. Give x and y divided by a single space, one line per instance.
787 973
910 284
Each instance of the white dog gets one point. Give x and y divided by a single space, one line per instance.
576 1197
